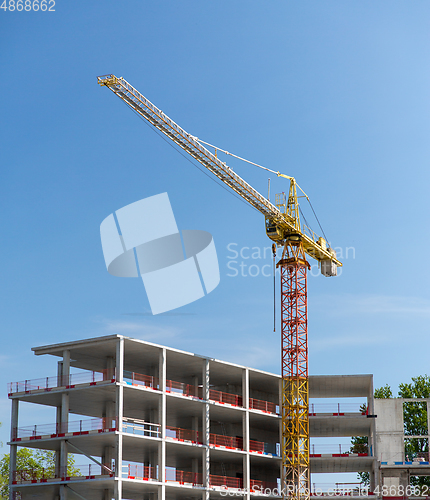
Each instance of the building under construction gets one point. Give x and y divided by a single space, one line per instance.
145 421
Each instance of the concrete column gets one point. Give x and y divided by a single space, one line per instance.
58 420
64 429
206 429
110 368
374 473
245 433
195 465
63 492
107 459
119 358
66 367
13 447
65 381
162 368
195 426
110 414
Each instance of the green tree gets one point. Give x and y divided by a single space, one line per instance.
415 422
40 462
383 392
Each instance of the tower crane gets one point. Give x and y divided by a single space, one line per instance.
283 227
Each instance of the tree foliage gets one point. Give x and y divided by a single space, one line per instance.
415 424
41 462
383 392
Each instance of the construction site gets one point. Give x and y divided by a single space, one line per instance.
150 422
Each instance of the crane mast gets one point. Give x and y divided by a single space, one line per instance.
284 228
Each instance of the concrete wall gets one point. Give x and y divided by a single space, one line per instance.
389 430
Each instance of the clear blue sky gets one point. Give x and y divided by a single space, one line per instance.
335 93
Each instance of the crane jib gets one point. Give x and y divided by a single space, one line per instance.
190 144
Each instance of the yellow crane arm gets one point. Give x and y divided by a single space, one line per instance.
286 223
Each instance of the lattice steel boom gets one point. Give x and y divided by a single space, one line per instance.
284 228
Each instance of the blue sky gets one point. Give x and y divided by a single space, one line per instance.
335 93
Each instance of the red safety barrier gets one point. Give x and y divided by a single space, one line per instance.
257 446
228 482
226 441
142 472
184 389
334 450
266 406
69 381
143 380
183 434
225 397
182 477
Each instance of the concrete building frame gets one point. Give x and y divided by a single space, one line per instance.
156 422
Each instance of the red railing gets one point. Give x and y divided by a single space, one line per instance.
227 482
333 449
142 472
183 434
227 441
88 377
142 380
256 446
225 397
182 477
267 406
75 427
184 389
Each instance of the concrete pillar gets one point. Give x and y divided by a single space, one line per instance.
63 492
162 368
110 368
206 430
58 420
107 459
119 358
64 424
66 367
13 447
195 427
245 433
153 462
110 414
64 429
374 473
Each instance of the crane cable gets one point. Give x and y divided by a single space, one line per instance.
269 170
226 152
186 157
